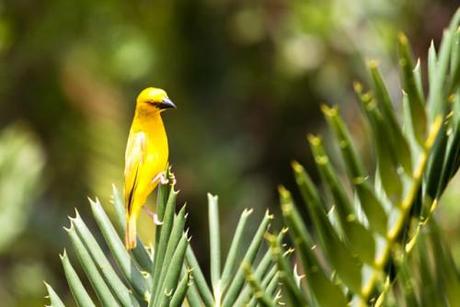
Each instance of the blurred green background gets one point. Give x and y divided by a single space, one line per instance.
247 76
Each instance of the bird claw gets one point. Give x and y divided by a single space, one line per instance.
156 220
153 216
160 178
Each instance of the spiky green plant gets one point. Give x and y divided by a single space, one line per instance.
170 273
140 278
427 276
228 285
370 228
374 240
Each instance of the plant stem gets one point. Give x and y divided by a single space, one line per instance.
405 207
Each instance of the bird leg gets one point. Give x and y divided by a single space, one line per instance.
160 178
152 215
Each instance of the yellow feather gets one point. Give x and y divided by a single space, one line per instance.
146 155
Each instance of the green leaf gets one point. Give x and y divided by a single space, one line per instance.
176 235
325 291
448 55
198 278
313 202
397 141
455 62
260 271
416 100
268 278
352 161
214 243
172 275
164 231
445 264
361 240
400 225
272 286
164 191
418 77
165 206
286 275
179 294
429 287
432 63
340 256
259 293
450 166
235 247
438 90
408 127
119 209
238 280
118 288
343 205
79 292
269 283
407 284
193 297
434 174
55 300
126 264
100 287
372 207
387 165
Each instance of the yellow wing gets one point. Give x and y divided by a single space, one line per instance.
145 159
134 159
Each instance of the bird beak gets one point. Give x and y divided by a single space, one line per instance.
166 104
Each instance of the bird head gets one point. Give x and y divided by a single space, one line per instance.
153 97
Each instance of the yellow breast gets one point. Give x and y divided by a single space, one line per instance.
156 141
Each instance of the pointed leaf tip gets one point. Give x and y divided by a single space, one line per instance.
247 212
329 111
372 64
402 38
77 215
269 215
281 189
358 87
71 226
314 139
90 199
212 197
296 166
63 255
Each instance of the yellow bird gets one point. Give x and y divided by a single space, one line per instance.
146 156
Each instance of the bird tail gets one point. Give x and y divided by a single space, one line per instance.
130 235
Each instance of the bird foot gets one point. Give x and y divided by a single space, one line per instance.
153 215
156 220
160 178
